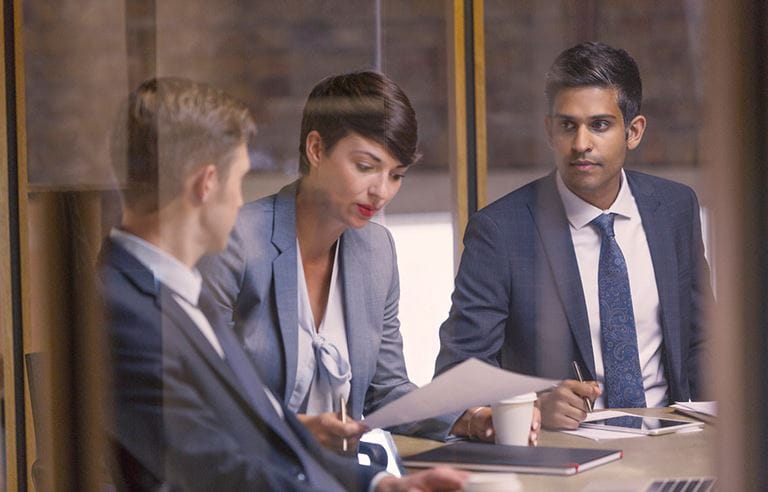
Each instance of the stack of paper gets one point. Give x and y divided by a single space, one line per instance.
599 426
601 434
702 410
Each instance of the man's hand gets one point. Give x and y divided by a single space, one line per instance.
564 407
330 431
477 424
533 437
434 479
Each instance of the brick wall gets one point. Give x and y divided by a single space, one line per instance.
270 53
523 38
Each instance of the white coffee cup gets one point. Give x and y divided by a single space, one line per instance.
493 482
512 419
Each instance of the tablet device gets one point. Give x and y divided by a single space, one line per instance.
651 426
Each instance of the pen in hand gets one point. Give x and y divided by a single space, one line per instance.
343 421
577 370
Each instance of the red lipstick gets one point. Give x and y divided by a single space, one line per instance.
366 210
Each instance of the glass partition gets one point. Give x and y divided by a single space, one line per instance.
522 41
414 52
78 60
81 60
666 40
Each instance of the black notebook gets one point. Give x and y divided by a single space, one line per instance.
522 459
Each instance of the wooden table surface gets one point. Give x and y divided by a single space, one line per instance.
669 455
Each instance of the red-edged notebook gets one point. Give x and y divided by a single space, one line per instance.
521 459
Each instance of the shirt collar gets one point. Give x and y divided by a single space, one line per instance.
580 213
184 281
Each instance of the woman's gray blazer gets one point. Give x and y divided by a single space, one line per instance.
254 283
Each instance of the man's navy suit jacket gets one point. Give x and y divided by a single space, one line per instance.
179 409
518 301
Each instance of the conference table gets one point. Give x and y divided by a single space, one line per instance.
682 454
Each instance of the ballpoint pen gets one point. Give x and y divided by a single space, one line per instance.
343 421
577 370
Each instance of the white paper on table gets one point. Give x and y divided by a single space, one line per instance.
600 434
607 414
468 384
606 434
705 407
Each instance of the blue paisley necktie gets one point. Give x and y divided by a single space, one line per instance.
621 360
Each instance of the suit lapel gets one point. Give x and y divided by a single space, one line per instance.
659 233
189 329
285 280
235 370
357 271
144 280
120 259
554 231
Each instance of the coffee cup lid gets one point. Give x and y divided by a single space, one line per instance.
524 398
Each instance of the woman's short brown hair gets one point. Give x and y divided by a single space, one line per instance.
367 103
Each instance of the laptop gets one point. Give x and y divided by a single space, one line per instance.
687 484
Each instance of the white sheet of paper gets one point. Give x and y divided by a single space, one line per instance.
606 414
468 384
605 434
705 407
600 434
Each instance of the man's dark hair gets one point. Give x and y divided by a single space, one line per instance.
166 129
597 64
366 103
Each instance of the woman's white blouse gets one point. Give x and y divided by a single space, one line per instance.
323 374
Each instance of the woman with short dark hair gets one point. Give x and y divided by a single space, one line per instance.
310 284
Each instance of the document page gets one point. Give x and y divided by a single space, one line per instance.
705 407
468 384
601 434
644 425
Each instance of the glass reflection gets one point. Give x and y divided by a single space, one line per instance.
268 54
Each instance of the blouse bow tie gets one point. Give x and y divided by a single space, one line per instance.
332 364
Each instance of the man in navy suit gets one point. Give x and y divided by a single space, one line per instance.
190 410
592 263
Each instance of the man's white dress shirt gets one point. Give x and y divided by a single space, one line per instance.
630 236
